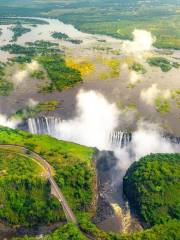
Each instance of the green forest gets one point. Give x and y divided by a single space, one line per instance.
61 76
160 17
74 169
52 61
152 187
25 196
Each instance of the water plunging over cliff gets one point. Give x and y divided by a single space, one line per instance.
43 125
48 125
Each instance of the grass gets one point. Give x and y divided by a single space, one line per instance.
12 163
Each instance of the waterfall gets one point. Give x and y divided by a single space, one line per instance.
120 139
47 125
43 125
117 138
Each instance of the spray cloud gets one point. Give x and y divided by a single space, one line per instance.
6 122
142 42
96 118
150 94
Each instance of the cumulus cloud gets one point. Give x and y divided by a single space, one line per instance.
6 122
150 94
142 42
96 118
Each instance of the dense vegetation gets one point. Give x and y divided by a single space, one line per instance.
75 173
67 232
152 184
163 63
62 36
153 188
17 21
5 86
168 231
59 73
18 31
31 49
137 67
52 60
32 111
160 17
25 197
162 105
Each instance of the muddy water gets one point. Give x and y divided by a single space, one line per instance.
113 212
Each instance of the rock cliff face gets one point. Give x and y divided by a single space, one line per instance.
113 212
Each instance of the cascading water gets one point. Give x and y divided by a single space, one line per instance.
119 217
119 139
43 125
47 125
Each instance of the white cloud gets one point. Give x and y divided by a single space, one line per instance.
150 94
134 77
96 118
142 42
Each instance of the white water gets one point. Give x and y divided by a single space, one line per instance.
48 125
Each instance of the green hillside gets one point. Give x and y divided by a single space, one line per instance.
152 186
73 166
25 197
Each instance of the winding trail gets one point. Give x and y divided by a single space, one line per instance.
48 174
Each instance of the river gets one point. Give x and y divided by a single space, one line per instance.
119 218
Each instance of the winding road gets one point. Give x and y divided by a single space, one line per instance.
49 174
